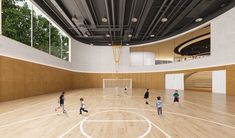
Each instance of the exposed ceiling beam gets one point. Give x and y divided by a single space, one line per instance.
154 24
133 6
145 10
122 6
64 15
80 21
130 31
92 8
107 12
85 6
181 16
105 29
113 14
171 16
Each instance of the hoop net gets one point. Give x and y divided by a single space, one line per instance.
117 49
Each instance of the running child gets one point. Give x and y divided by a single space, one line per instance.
146 96
83 106
159 105
176 96
61 101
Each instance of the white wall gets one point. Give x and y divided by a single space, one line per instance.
100 59
86 58
219 81
14 49
142 58
174 81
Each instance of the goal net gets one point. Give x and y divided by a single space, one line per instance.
117 83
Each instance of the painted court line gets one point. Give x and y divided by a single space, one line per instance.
121 109
179 114
216 110
31 119
19 109
116 110
110 121
167 135
111 108
203 106
64 134
197 118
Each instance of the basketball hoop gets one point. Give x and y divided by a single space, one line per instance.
117 55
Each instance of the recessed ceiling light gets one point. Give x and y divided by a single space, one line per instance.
107 35
104 19
127 44
198 20
109 44
152 35
134 19
85 35
74 18
164 20
130 35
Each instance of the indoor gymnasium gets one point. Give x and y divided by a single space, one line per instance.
117 69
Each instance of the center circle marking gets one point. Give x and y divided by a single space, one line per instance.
145 118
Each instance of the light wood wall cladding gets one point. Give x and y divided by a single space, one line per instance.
19 79
139 80
198 81
165 50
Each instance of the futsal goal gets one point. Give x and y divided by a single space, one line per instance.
117 83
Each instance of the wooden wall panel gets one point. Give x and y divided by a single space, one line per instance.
139 80
230 78
19 79
198 81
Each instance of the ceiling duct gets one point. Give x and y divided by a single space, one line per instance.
80 25
64 15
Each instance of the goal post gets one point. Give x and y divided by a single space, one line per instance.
117 83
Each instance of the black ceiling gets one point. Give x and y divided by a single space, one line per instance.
194 46
82 19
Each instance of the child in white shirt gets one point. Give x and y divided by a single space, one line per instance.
83 106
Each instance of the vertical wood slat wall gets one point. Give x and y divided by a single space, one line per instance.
19 79
139 80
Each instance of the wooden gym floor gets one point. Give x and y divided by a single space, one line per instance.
116 114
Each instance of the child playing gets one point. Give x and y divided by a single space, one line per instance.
176 96
146 96
61 101
83 106
159 105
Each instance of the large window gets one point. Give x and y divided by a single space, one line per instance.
24 22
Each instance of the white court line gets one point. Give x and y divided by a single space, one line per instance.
179 114
110 121
19 109
31 119
197 118
110 108
117 110
203 106
167 135
70 129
